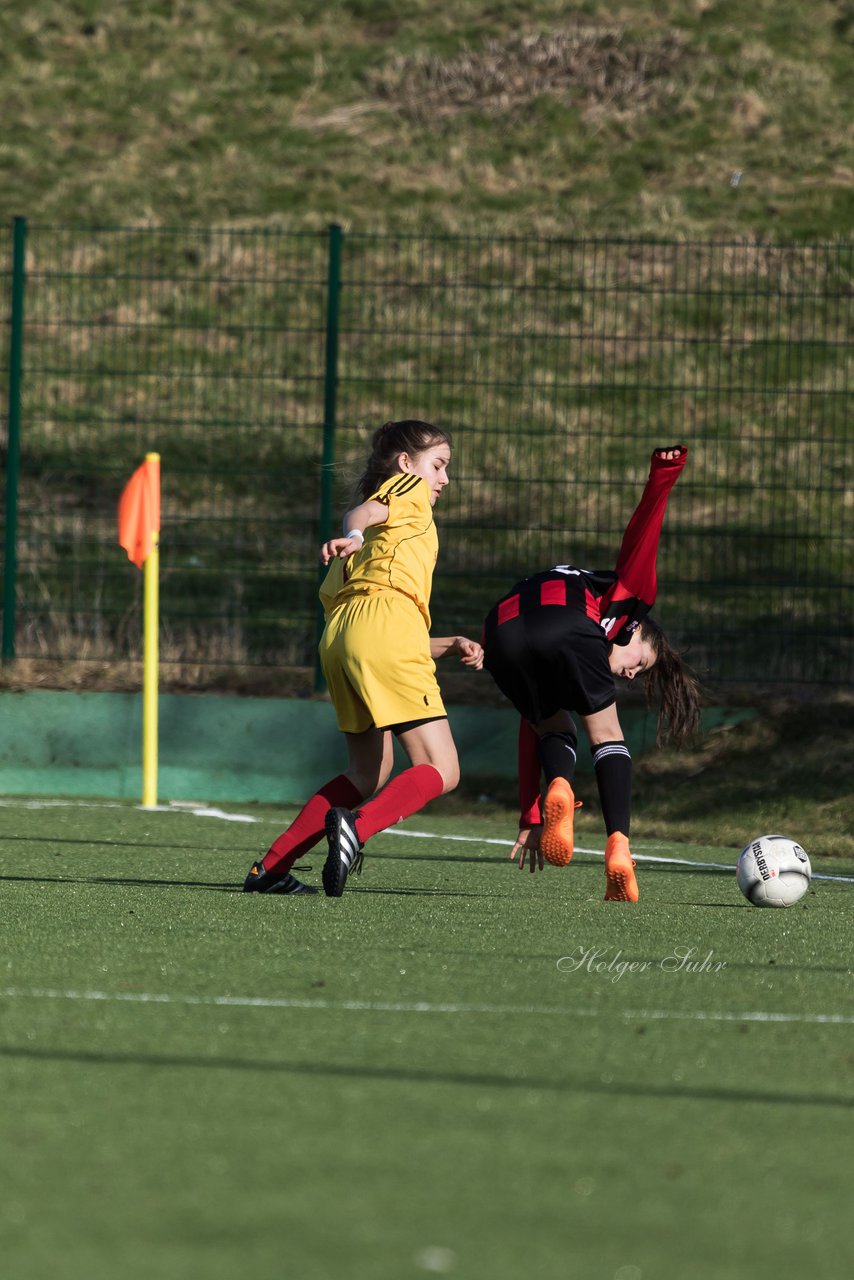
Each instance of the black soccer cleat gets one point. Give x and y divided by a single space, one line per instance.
345 851
260 880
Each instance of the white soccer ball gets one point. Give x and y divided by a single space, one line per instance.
773 871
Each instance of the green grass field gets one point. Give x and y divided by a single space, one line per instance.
445 1072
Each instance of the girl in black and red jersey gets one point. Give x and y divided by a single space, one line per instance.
553 645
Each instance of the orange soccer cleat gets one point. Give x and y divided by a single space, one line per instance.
620 882
557 841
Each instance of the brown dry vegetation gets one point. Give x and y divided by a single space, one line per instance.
590 66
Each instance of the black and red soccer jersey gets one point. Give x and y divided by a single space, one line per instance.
547 642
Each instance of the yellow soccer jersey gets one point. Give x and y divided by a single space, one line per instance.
399 555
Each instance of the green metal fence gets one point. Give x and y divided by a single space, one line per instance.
258 363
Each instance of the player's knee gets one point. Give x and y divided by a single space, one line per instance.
450 782
449 772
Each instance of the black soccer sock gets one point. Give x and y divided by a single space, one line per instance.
613 764
557 755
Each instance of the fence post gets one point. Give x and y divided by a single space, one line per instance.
13 455
330 398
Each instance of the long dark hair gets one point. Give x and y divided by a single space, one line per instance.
671 684
389 442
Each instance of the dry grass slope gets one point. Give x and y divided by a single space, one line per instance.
386 116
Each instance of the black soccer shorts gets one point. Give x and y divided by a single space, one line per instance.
549 658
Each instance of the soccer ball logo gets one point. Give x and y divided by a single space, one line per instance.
773 871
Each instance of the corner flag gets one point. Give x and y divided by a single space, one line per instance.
139 510
139 534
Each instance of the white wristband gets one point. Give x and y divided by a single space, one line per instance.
356 533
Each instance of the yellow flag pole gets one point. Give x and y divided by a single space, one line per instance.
150 669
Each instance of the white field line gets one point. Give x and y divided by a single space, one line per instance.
595 853
423 1006
205 812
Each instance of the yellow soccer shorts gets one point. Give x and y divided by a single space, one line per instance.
375 655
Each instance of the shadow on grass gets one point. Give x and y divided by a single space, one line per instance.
374 856
129 881
409 1075
232 887
398 890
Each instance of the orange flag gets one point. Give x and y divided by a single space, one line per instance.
139 511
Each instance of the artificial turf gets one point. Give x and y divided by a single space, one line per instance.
455 1069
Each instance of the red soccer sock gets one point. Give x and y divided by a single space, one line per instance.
307 827
404 795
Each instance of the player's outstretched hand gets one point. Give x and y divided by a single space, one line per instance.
528 847
669 453
338 548
471 654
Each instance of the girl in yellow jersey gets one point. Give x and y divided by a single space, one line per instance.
378 659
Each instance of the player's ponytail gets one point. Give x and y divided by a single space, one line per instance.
671 684
391 440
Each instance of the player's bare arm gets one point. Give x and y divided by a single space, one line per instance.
468 651
363 517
